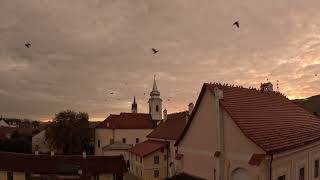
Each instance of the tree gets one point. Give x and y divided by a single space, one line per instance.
69 132
17 142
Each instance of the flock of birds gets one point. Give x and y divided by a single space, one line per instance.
155 51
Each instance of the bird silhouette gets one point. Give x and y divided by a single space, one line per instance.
28 45
111 93
236 24
155 51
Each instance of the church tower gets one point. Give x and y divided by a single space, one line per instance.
134 106
155 102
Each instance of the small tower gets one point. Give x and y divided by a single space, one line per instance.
266 86
134 106
155 102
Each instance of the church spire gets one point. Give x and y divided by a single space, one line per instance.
155 91
155 88
134 106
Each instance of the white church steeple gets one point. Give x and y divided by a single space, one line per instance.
155 102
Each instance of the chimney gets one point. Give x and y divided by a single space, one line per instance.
52 153
190 107
84 154
266 87
165 116
36 152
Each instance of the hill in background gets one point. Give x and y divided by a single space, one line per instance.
311 104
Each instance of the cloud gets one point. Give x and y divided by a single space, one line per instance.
82 50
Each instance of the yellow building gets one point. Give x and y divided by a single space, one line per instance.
160 143
15 166
237 133
149 160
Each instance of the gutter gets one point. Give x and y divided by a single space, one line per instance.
168 146
270 167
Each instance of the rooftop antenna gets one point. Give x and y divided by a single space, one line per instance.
277 85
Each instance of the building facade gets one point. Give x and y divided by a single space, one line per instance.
149 160
235 133
129 128
146 160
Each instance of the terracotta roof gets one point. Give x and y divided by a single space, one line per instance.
128 121
172 128
269 119
256 159
58 164
147 147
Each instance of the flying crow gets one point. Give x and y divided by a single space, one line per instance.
155 51
236 24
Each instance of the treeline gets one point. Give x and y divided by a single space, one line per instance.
17 142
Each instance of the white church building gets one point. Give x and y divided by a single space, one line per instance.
119 132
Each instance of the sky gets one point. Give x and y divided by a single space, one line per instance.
83 50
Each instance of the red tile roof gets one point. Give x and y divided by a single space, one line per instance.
269 119
147 147
61 164
172 128
128 121
256 159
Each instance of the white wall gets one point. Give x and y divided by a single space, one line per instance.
289 163
104 135
3 124
38 140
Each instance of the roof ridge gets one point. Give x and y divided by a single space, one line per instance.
216 84
178 112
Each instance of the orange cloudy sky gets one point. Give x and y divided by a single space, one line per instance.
82 50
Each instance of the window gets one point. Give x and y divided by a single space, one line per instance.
111 140
214 174
96 177
136 157
98 143
316 168
124 140
156 159
115 176
301 174
141 172
162 150
157 108
137 170
9 175
137 140
165 157
282 177
140 159
156 173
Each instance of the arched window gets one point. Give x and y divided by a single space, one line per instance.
240 174
157 108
